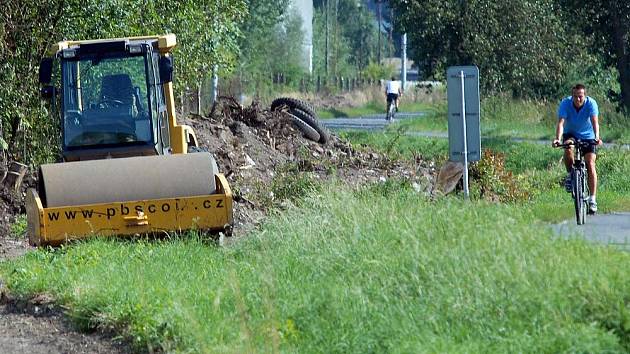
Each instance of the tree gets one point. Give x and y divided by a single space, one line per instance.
607 22
207 34
272 43
352 36
519 46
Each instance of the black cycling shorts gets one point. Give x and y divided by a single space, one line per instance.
589 149
392 97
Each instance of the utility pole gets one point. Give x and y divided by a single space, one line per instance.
336 43
326 17
390 35
380 21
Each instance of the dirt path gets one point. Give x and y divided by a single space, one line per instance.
38 327
36 331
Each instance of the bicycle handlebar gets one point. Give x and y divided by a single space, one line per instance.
582 143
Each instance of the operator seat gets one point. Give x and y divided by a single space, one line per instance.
119 87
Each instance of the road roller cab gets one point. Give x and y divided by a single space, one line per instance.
126 169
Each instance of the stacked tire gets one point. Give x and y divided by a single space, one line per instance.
303 117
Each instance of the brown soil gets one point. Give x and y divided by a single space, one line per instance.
39 327
11 206
251 145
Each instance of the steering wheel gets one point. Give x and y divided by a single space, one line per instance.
109 102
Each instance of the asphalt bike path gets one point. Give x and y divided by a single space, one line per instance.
611 229
367 122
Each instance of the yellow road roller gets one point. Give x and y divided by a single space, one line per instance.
127 167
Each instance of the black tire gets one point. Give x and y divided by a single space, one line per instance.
391 108
578 195
293 103
324 135
308 131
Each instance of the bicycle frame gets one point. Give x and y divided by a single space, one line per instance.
579 185
391 109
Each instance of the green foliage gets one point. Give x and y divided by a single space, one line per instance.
207 34
607 34
352 38
375 71
346 272
18 227
272 43
490 180
519 46
291 183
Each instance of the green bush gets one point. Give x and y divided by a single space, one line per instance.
490 180
375 71
18 227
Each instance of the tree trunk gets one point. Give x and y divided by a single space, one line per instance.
622 54
623 65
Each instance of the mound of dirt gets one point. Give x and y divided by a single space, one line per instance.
11 207
252 143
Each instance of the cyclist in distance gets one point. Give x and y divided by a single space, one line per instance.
578 119
393 92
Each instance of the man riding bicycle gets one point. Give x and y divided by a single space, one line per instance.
578 119
393 92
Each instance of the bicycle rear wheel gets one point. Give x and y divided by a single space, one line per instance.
577 181
391 107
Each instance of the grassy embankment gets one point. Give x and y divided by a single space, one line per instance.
536 170
383 269
536 120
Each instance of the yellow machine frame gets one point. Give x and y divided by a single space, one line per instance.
55 225
51 225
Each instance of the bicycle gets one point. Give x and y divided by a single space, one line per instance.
391 110
579 185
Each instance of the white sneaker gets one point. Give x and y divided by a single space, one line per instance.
592 207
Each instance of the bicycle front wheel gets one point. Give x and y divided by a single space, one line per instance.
577 181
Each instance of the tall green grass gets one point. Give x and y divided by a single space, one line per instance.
525 119
379 270
398 144
538 169
500 117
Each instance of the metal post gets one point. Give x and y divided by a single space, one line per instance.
404 61
326 54
466 192
380 24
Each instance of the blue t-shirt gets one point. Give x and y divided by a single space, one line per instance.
579 123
